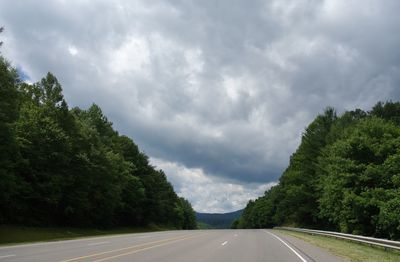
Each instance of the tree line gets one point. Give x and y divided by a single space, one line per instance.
344 176
69 167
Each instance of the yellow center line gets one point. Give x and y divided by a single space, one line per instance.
122 249
143 249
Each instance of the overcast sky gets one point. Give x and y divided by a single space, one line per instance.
217 93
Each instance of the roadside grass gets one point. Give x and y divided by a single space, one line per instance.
22 234
347 250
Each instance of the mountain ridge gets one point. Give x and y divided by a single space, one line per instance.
218 220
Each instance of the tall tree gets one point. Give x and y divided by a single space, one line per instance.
62 167
9 159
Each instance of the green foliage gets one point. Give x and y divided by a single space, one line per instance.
9 111
388 111
62 167
235 224
357 176
186 214
344 176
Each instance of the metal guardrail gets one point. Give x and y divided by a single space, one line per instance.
355 238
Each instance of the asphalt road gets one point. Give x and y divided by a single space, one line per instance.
175 246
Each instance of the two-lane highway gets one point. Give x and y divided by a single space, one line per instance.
175 246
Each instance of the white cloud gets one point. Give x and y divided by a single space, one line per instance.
73 50
132 56
208 193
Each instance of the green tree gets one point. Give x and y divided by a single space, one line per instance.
388 111
9 157
299 182
44 147
63 167
357 175
186 217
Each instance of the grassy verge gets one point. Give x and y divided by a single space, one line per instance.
347 250
21 234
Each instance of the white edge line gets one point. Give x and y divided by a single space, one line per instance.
294 251
226 242
7 256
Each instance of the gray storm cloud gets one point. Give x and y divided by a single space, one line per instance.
224 87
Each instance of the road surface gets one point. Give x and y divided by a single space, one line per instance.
175 246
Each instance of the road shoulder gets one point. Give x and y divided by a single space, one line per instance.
309 251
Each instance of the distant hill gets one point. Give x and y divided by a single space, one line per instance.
218 220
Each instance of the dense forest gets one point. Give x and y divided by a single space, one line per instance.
69 167
344 176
